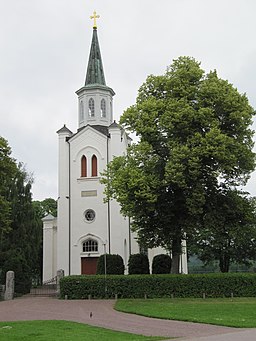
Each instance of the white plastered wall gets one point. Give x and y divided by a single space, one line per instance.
49 247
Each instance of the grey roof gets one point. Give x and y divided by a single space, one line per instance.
114 125
49 217
102 129
64 129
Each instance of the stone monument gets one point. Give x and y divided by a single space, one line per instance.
9 287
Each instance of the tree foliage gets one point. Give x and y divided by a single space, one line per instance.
138 264
195 138
161 264
229 233
114 265
21 235
8 170
46 206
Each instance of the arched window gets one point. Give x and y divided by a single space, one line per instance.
103 107
90 245
83 166
94 166
91 107
81 110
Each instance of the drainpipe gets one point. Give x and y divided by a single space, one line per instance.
108 203
69 212
130 246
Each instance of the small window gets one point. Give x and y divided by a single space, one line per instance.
83 166
89 215
81 110
94 166
91 107
103 108
90 245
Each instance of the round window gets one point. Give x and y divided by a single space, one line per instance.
89 215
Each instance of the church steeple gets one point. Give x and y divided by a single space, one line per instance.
95 97
95 73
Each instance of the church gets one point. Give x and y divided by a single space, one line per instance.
86 227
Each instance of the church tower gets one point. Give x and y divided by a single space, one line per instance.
87 227
95 97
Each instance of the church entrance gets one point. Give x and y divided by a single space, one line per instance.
89 265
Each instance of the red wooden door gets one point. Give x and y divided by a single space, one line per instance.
89 265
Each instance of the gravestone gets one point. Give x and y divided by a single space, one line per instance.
9 287
60 274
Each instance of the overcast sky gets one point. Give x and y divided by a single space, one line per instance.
44 49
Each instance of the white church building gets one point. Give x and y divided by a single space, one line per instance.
86 227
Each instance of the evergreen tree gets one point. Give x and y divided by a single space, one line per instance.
8 170
21 242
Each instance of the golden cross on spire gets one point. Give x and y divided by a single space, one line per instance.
94 16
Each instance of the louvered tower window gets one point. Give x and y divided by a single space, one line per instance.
81 111
91 107
103 107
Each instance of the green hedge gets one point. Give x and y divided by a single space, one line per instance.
137 286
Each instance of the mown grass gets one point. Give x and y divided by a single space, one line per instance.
64 331
236 312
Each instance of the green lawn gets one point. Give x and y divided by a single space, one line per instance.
236 312
63 330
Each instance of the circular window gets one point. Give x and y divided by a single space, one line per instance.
89 215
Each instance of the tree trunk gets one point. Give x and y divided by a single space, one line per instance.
224 263
176 252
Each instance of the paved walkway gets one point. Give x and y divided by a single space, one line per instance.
103 315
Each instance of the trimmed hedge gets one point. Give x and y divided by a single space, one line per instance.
137 286
161 264
138 264
115 265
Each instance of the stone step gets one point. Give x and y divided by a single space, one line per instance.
42 291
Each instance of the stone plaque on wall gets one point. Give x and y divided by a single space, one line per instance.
89 193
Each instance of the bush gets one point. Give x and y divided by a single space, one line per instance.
16 261
138 264
115 265
161 264
136 286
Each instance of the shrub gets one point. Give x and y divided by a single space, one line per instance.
115 265
161 264
138 264
136 286
17 262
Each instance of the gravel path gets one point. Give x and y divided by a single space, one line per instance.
103 315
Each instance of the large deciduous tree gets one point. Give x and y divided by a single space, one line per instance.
194 138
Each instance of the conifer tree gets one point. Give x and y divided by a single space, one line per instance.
22 232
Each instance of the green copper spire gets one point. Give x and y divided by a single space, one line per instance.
95 73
